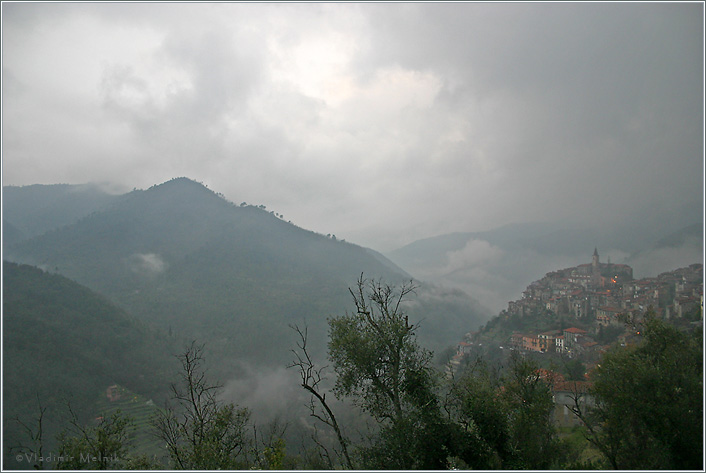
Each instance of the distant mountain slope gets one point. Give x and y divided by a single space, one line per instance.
680 248
37 209
682 236
542 237
11 235
62 342
181 257
495 266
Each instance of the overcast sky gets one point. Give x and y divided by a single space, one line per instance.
380 123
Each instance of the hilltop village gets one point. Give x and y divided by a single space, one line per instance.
605 290
576 314
590 298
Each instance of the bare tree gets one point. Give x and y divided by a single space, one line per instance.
34 451
269 448
587 415
311 379
201 432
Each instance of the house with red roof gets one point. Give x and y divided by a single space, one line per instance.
572 335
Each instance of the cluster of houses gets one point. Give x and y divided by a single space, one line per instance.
601 295
567 340
597 295
602 291
575 291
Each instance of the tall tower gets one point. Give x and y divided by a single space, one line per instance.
595 270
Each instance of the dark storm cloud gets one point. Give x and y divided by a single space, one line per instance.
587 96
381 123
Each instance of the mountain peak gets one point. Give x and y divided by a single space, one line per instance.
179 182
182 189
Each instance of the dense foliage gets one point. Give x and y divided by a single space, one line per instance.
103 447
381 366
649 401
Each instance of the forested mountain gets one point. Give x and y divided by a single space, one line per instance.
199 267
11 235
681 236
63 343
29 211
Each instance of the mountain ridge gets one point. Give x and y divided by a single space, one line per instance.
38 208
185 259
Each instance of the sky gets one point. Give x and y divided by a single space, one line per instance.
379 123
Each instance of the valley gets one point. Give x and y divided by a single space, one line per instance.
111 288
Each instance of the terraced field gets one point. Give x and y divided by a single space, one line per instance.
140 410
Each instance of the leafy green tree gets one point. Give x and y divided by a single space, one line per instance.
380 365
507 418
609 333
475 403
648 411
375 353
533 440
103 447
201 432
269 448
275 455
574 370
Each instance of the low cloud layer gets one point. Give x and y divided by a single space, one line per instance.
476 253
268 393
148 264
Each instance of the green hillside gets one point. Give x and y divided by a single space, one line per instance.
197 266
64 343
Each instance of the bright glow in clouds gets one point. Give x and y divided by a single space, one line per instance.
315 68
